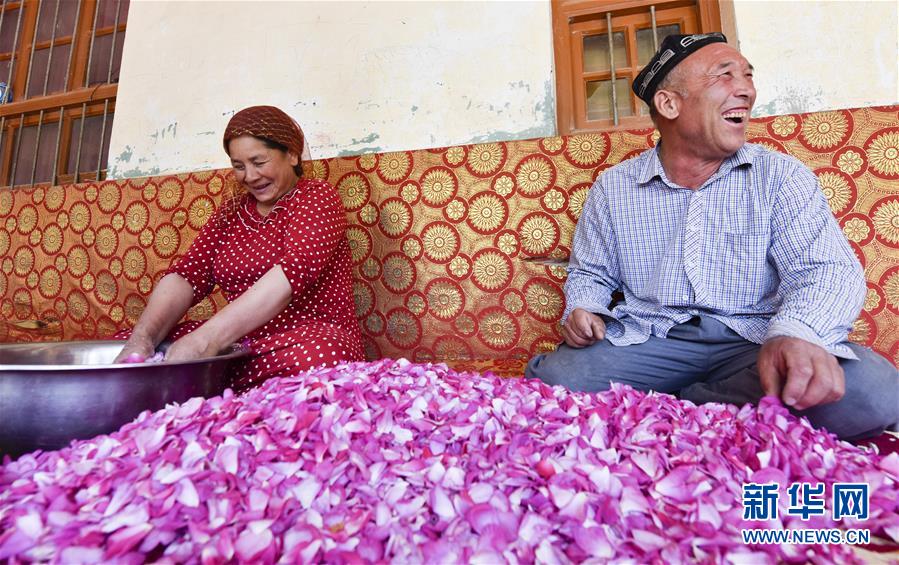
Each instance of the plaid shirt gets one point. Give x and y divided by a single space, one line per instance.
756 247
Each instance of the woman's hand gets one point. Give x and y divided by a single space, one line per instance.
192 346
168 302
261 303
255 307
138 348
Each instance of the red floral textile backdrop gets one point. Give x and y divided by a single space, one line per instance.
438 237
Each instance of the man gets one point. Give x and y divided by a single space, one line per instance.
737 280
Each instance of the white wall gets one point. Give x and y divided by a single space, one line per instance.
817 55
358 76
380 76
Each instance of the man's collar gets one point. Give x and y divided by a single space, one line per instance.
743 156
652 166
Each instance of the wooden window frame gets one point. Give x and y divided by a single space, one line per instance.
78 100
574 19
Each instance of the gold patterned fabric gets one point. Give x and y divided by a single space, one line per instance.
437 237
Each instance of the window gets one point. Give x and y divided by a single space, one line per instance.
59 60
594 70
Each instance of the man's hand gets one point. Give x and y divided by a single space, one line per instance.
583 328
802 374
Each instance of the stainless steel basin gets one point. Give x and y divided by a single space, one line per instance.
52 393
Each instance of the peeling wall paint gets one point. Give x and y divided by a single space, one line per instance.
366 77
360 77
813 56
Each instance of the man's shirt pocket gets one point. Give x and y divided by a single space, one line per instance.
739 261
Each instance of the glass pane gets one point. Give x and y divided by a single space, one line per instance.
642 108
599 99
596 52
4 76
35 76
100 59
56 79
59 68
90 143
46 151
27 137
5 134
645 50
65 19
117 59
107 13
8 30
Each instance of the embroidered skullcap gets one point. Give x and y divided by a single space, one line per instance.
266 122
674 49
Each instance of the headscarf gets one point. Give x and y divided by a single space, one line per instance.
266 122
270 123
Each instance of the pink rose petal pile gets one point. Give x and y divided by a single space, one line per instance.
399 462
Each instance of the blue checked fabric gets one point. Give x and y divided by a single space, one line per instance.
756 247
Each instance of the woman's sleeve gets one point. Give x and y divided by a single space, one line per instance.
196 266
316 230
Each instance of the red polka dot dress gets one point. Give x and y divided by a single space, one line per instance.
304 233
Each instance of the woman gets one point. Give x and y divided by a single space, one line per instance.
280 255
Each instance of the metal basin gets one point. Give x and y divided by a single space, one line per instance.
52 393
